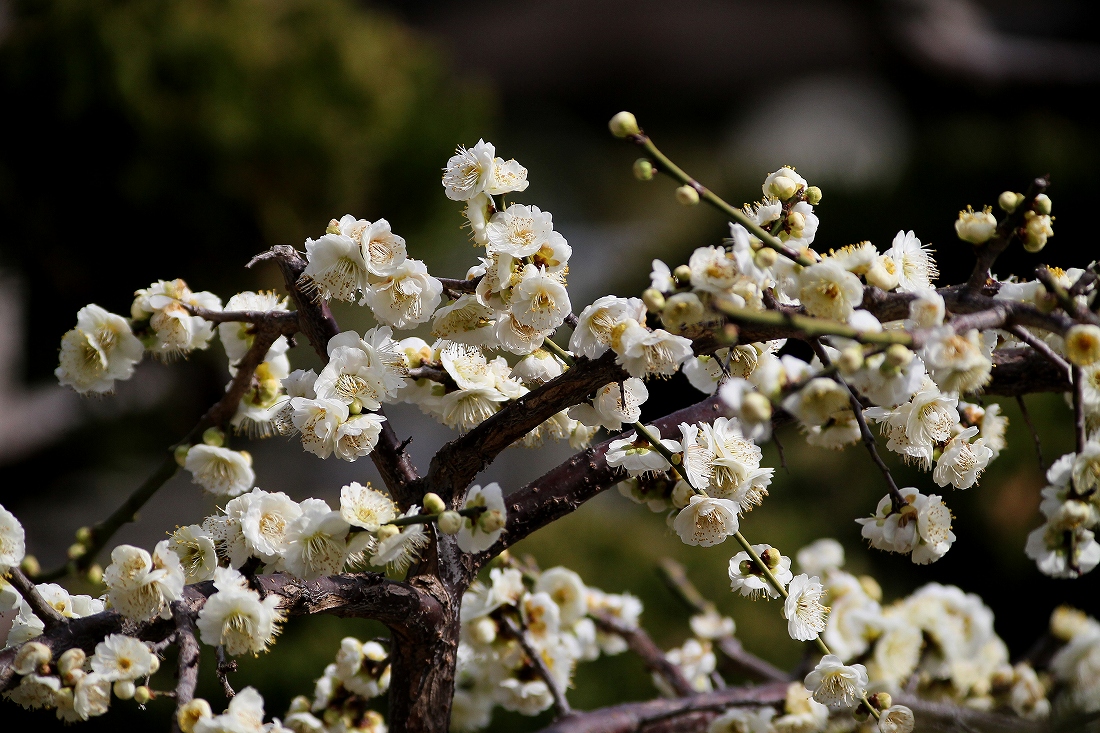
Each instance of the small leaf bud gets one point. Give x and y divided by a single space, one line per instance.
898 356
624 124
813 195
433 504
756 408
850 360
682 274
1009 200
771 557
180 453
387 530
491 521
687 195
1042 204
142 695
214 437
124 689
84 535
654 300
1083 344
191 713
450 522
71 659
31 657
643 169
30 566
766 257
76 550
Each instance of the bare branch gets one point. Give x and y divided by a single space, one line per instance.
1041 346
226 666
47 614
459 286
188 666
652 657
1034 433
287 321
1079 408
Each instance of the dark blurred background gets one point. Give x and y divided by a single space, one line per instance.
155 139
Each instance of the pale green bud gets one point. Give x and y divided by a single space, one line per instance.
84 535
333 227
898 356
124 689
654 300
771 557
765 257
387 530
450 522
643 169
1083 344
355 408
433 504
1037 228
214 437
881 700
30 566
682 274
142 695
1009 200
755 407
813 195
180 453
747 567
1042 204
687 195
624 124
491 521
76 550
850 360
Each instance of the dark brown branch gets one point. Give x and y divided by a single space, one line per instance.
226 666
188 666
561 705
1079 408
739 661
287 321
1041 346
459 286
1034 434
652 657
47 614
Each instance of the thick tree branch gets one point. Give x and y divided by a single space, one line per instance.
188 665
651 655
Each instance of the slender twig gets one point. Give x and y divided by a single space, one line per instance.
188 668
571 321
808 326
669 168
561 705
47 614
652 657
865 433
559 352
1034 434
429 518
1040 346
225 667
287 321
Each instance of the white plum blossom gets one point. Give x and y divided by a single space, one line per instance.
747 578
916 267
477 170
196 552
383 251
711 625
519 231
366 507
480 533
962 461
916 427
465 321
596 324
614 404
649 353
264 524
660 278
99 351
803 609
713 270
236 618
175 330
635 455
337 267
358 435
820 557
12 541
220 470
539 367
731 463
398 551
316 541
540 301
828 290
959 362
927 310
139 585
816 402
245 714
318 421
120 657
705 521
406 297
922 527
835 684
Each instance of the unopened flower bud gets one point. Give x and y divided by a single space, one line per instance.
387 530
1037 229
246 456
76 550
643 169
771 557
850 360
191 713
154 664
796 222
180 453
687 195
1042 204
31 657
756 408
214 437
1083 344
898 356
1071 515
490 521
300 704
976 227
83 535
813 195
747 567
681 494
63 698
682 309
71 659
95 574
783 187
124 689
682 274
765 257
450 522
881 700
871 587
72 677
333 227
1009 200
355 407
30 566
433 504
484 630
654 300
142 695
624 124
1066 622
